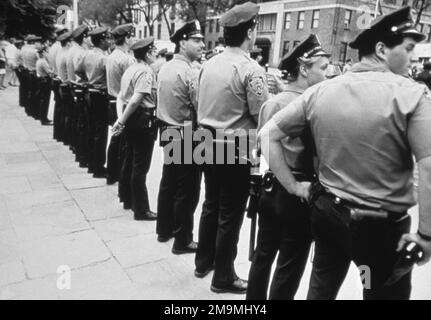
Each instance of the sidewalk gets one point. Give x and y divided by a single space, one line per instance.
52 214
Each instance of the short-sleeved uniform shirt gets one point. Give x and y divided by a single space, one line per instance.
293 148
52 55
74 55
61 63
42 68
93 64
116 64
19 58
30 57
365 125
232 89
176 90
139 78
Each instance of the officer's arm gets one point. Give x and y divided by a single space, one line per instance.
133 104
270 140
425 196
120 104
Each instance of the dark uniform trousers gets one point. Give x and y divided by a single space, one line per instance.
369 243
125 162
226 194
178 198
284 227
81 133
58 110
26 90
98 130
44 94
33 102
19 73
141 136
114 160
66 116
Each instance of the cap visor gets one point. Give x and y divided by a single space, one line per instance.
414 34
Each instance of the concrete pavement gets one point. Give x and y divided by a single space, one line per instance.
54 215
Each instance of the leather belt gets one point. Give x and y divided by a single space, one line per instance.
358 212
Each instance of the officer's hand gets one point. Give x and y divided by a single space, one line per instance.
425 245
302 190
117 129
275 86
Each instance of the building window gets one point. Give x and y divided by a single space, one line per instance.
295 43
301 19
287 19
286 47
267 22
217 26
140 34
315 20
343 52
405 3
347 19
211 26
159 31
429 32
421 27
210 45
145 31
172 28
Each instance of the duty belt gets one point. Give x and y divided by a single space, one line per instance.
271 184
358 212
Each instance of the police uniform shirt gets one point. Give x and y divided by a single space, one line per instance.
232 89
139 78
30 57
19 58
116 64
365 125
293 148
93 64
74 55
52 56
61 63
176 89
42 68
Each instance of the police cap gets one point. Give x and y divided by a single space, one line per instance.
239 14
142 44
65 36
123 30
101 32
191 29
399 22
32 37
82 30
307 49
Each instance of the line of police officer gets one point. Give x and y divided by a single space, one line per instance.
229 93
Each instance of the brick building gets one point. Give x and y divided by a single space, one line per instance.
284 23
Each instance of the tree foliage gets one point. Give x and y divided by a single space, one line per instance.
21 17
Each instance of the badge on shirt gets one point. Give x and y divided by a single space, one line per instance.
148 77
257 85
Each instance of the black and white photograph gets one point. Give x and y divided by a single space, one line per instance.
227 151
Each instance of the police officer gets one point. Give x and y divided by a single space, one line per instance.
55 47
93 67
284 220
63 113
116 64
44 74
180 184
78 122
232 89
138 92
365 124
30 57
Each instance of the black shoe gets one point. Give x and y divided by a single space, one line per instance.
99 175
147 216
238 286
203 274
192 247
110 181
163 239
47 123
127 206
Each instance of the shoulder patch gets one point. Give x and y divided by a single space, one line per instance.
148 77
257 85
